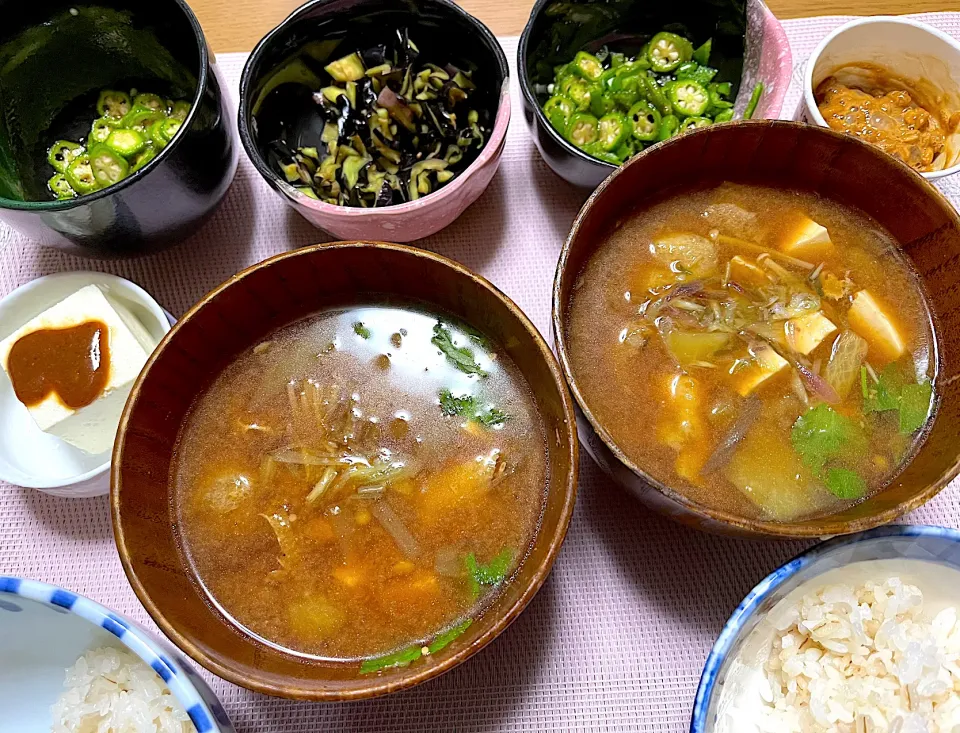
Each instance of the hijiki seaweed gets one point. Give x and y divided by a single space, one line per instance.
394 129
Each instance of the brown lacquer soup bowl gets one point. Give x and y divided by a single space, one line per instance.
236 317
839 169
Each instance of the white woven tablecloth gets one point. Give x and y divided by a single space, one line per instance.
615 640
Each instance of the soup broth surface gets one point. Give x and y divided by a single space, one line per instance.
765 352
365 480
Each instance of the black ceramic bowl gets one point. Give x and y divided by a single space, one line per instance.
286 68
54 58
558 29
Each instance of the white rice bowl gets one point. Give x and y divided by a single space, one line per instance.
111 690
873 647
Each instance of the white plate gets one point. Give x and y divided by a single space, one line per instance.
28 456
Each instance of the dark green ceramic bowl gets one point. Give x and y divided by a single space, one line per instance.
55 57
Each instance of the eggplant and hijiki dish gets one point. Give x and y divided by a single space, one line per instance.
383 125
362 484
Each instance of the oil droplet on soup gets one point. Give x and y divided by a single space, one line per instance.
362 481
777 347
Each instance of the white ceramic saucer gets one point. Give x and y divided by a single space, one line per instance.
28 456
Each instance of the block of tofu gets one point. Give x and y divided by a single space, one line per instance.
765 364
870 321
805 333
91 428
803 238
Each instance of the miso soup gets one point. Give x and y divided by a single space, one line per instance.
764 352
361 484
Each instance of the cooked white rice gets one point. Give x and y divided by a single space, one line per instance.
112 691
859 659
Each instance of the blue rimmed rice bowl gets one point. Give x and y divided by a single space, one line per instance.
44 630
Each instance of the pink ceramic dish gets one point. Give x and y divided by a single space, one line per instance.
767 59
445 33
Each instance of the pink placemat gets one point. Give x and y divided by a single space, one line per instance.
615 640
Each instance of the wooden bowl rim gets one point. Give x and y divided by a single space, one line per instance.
820 528
412 675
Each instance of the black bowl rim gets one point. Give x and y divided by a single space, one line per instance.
42 207
767 529
246 139
531 98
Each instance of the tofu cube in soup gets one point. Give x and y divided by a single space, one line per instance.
804 238
871 321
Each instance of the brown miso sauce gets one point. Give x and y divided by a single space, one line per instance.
72 363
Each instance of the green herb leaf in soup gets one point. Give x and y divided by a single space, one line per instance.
361 330
915 402
846 484
470 407
822 434
447 637
492 573
398 659
460 356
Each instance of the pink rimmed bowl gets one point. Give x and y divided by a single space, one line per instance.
441 27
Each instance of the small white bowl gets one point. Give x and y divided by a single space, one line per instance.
45 629
908 48
28 456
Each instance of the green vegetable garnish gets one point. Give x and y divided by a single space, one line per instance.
612 106
645 120
61 188
613 129
361 330
491 574
472 408
411 654
397 659
125 137
845 484
80 175
822 434
669 126
702 54
892 392
696 72
754 101
583 129
447 637
113 104
588 66
559 110
667 51
62 153
687 97
126 143
915 406
885 395
460 356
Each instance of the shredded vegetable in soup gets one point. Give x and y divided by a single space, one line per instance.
362 484
764 352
